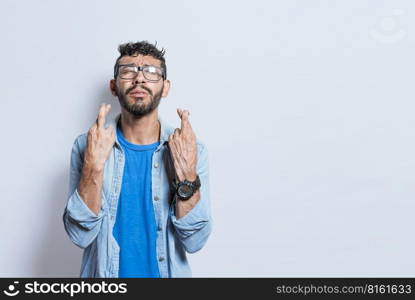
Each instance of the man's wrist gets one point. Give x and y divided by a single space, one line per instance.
189 176
92 165
186 189
92 169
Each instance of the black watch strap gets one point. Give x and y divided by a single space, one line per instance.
196 183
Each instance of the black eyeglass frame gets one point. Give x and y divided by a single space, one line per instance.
140 68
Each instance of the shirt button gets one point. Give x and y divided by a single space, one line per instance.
161 258
156 165
156 198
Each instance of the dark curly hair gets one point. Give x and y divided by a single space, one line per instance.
143 48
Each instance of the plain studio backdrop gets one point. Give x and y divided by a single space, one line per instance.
307 109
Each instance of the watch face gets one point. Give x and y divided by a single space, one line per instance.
185 190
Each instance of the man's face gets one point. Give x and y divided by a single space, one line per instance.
128 90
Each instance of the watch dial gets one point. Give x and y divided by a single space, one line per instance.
185 190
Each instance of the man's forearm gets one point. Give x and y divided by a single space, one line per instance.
90 187
183 207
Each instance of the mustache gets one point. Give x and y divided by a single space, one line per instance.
141 87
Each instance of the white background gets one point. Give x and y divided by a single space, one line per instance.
307 109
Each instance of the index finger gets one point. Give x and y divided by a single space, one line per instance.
103 111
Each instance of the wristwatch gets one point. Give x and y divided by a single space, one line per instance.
185 189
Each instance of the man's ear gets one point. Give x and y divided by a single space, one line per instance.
166 88
113 87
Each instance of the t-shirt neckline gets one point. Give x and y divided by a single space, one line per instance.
123 141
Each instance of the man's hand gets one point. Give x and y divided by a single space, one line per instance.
182 144
100 141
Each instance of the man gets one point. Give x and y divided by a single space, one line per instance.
139 189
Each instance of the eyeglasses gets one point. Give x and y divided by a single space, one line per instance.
151 73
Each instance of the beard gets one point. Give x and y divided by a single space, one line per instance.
138 108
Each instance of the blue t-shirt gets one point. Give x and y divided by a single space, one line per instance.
135 227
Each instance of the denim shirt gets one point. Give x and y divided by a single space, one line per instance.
175 237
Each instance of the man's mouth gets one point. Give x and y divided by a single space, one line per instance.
138 93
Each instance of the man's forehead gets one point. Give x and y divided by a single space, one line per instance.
139 60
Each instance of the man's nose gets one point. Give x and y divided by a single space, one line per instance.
140 77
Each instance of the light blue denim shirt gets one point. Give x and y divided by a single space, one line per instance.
93 233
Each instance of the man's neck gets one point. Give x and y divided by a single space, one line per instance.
141 130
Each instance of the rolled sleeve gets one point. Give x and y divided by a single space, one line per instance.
79 212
